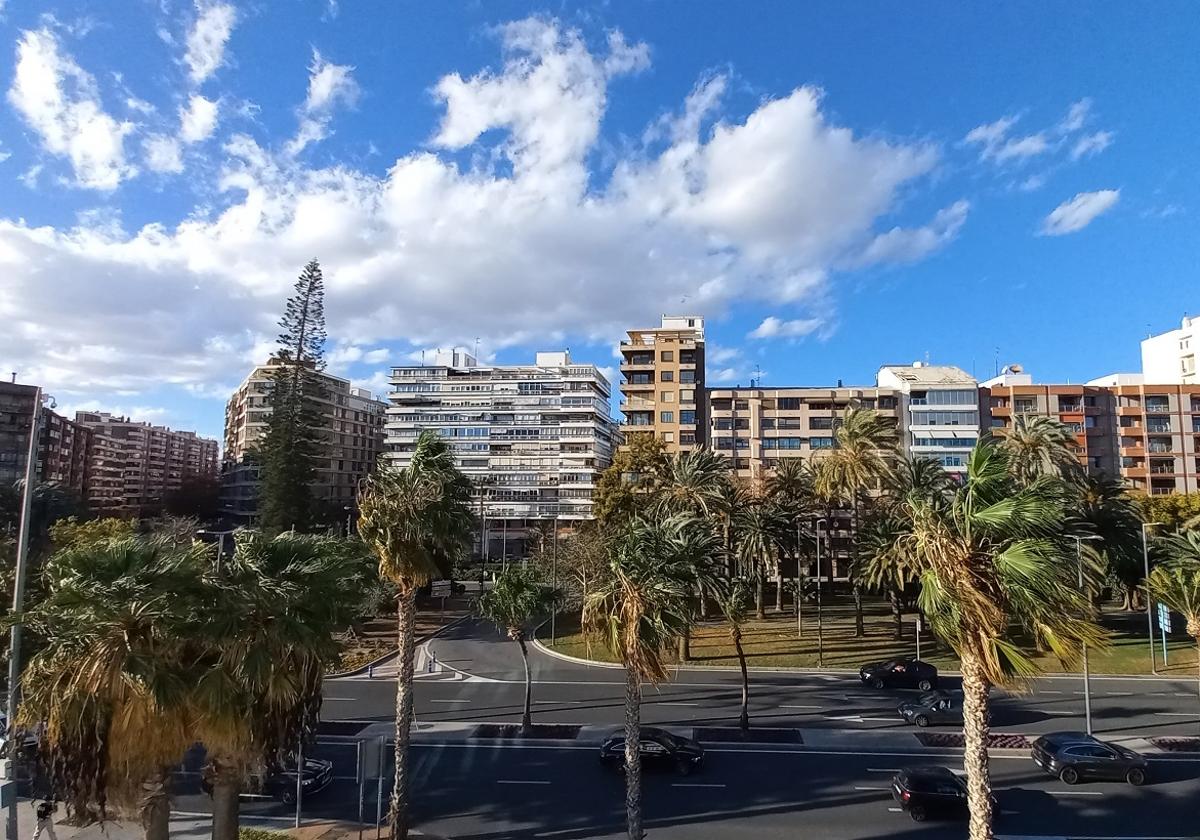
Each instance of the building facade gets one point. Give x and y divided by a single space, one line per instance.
1158 434
939 411
1170 357
133 466
532 438
62 448
350 433
662 387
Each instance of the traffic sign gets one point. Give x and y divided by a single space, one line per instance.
1164 618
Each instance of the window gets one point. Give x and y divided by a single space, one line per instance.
687 396
666 396
721 405
687 376
723 443
666 417
668 437
820 422
945 418
741 405
687 437
666 376
667 356
945 443
790 403
768 423
783 443
821 442
641 379
687 417
950 460
1024 406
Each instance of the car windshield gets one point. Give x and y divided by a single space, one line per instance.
930 698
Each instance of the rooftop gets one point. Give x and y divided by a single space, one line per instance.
921 373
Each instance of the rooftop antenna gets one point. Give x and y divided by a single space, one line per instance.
422 357
476 348
757 383
997 357
926 358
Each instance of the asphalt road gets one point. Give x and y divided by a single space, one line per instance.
478 676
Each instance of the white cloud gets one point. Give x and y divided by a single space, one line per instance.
772 327
1076 116
198 119
207 38
1032 183
1021 147
908 245
1077 213
163 153
329 86
763 207
1091 144
60 102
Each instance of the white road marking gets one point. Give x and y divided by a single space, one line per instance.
696 785
861 787
559 702
670 703
340 699
1047 691
449 701
1119 693
801 706
1177 714
1074 793
521 782
1185 694
1058 712
883 769
895 810
201 815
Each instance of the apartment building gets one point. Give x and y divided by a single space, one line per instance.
1089 411
1170 357
532 438
132 466
662 388
1158 433
939 411
350 433
62 447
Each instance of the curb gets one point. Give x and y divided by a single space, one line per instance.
392 654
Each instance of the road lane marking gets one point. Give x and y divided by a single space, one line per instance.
1074 793
668 703
1045 691
696 785
895 810
559 702
1058 712
448 701
801 706
1119 693
883 769
1177 714
341 699
521 782
863 787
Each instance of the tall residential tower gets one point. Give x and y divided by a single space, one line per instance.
662 392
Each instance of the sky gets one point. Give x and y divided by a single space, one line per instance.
834 186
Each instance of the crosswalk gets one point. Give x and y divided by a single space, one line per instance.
426 668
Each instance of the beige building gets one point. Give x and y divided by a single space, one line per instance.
662 388
351 433
133 466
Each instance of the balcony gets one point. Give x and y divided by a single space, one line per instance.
1134 472
1130 411
1070 408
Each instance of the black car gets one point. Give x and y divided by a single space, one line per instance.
930 792
932 708
900 673
658 748
280 782
1076 756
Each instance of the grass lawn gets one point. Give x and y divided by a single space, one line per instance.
773 642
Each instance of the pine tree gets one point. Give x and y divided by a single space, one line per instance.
290 448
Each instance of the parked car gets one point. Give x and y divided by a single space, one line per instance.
280 782
932 708
1077 756
658 748
930 792
900 673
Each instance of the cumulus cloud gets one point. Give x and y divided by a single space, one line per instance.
163 154
909 245
772 327
207 38
1091 144
764 207
1077 213
997 144
59 101
329 86
198 119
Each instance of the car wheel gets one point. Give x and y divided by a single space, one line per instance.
921 721
1136 776
876 682
288 797
917 813
925 685
1069 775
685 768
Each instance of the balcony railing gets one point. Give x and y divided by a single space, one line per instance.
1158 428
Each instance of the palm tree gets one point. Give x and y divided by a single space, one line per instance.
1177 582
416 520
112 683
639 610
518 597
762 528
995 571
1039 445
790 486
864 448
733 606
1102 507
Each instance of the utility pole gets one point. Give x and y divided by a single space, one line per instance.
820 628
554 575
1149 599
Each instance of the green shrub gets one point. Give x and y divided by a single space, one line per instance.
260 834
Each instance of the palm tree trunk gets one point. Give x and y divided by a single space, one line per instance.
744 717
633 758
760 610
685 645
406 633
799 609
975 752
227 783
897 613
155 807
779 590
859 629
703 602
526 714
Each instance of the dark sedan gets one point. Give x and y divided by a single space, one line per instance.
900 673
930 792
932 708
280 782
658 748
1077 756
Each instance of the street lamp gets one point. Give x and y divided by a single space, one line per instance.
1087 684
1149 606
820 629
554 575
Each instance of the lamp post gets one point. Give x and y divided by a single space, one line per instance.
820 629
1087 680
554 576
1149 605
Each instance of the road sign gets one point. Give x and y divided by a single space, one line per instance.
1164 618
440 589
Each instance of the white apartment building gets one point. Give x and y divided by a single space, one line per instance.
1170 358
533 438
939 411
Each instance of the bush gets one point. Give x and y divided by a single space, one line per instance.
260 834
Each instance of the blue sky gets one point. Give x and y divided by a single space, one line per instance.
835 186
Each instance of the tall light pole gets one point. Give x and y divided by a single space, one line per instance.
1087 679
820 629
1149 605
554 575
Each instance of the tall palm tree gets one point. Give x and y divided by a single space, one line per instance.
518 597
1102 507
790 486
416 520
112 683
1038 446
639 610
995 571
1177 582
733 607
762 529
864 448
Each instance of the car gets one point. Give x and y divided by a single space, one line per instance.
907 672
659 748
279 782
1077 756
932 708
929 791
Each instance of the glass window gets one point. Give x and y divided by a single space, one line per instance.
821 442
789 403
820 422
687 376
741 405
667 355
687 417
687 396
666 396
668 437
687 437
666 416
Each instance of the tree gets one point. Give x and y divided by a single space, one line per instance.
582 561
1173 510
642 607
1038 446
996 574
1102 507
790 486
71 533
1177 582
626 488
518 597
762 529
733 607
112 681
417 520
290 447
198 497
864 448
179 530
